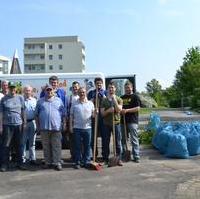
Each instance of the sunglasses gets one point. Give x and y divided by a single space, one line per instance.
48 89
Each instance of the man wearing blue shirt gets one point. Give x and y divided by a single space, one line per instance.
49 116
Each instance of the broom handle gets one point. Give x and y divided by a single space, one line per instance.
113 130
95 126
125 132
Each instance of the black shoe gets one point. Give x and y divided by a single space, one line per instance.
22 167
136 160
77 166
33 163
58 167
3 168
46 166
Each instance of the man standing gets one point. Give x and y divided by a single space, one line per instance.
49 116
101 93
30 130
80 123
110 108
71 100
131 107
12 119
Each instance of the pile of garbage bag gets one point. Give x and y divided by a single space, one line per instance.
175 139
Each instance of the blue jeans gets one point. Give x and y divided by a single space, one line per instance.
30 136
82 135
102 133
12 133
108 130
132 131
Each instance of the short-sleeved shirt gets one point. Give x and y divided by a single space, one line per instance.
131 101
12 107
30 105
82 114
50 113
108 119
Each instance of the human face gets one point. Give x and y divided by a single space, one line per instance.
54 84
99 85
28 91
13 91
82 94
5 88
49 92
111 89
75 88
128 89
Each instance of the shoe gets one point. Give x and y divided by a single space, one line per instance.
33 162
136 160
58 167
87 166
46 166
3 168
120 163
21 167
77 166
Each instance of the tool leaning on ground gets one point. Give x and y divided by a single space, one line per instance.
94 165
127 154
113 161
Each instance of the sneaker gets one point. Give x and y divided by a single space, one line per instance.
120 163
58 167
33 163
77 166
22 167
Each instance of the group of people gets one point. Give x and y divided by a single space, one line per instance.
56 114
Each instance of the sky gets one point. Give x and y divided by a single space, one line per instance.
148 38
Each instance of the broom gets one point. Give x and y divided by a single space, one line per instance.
127 155
94 165
113 161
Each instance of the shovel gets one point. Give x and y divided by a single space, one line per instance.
94 165
113 161
127 155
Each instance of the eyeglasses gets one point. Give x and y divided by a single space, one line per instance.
48 89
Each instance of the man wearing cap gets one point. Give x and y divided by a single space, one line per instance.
12 120
49 116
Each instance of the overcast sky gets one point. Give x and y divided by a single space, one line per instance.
148 38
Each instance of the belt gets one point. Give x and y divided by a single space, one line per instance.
30 120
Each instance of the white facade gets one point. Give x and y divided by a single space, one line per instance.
5 64
54 55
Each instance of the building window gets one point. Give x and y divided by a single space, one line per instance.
50 67
42 46
50 47
59 46
50 57
60 67
41 56
60 56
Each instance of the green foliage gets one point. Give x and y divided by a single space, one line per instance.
145 137
154 89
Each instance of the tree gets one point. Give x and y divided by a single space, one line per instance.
154 89
187 77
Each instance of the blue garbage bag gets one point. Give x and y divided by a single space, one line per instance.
154 122
177 147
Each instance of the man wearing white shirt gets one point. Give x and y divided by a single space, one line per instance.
29 133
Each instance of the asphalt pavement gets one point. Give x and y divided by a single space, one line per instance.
155 177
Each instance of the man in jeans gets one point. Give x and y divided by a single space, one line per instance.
12 120
49 116
30 130
130 109
80 124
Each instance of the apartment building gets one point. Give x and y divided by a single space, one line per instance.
54 55
5 64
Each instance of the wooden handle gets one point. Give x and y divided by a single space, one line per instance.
125 132
113 130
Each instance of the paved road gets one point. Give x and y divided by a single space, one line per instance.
154 178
